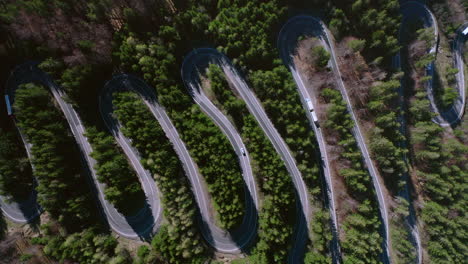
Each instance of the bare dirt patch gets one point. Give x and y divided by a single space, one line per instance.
16 244
359 77
315 82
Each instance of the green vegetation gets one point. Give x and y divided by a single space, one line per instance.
25 257
278 208
71 79
281 101
245 31
86 246
320 236
179 241
446 95
15 170
357 45
439 161
320 56
386 144
123 188
273 84
375 21
362 242
62 190
386 137
208 146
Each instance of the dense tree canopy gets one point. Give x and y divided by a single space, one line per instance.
123 188
16 179
440 164
276 219
179 241
62 189
363 241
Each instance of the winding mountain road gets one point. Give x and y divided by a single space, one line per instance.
413 10
190 75
20 211
287 43
201 58
294 28
140 225
223 241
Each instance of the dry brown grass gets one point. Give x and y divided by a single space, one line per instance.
315 82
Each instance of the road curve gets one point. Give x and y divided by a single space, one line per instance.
27 210
316 27
139 225
450 117
220 240
204 56
190 75
21 211
415 10
287 43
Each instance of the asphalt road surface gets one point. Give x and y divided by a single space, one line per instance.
204 56
223 241
306 24
287 43
413 10
190 74
140 225
27 210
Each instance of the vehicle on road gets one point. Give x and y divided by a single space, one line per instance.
314 117
310 106
243 151
465 31
8 105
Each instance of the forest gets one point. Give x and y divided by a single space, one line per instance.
82 43
62 188
439 161
122 188
179 241
16 178
363 242
270 172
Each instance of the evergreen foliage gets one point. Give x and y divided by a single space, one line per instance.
62 190
441 167
362 242
123 188
15 170
179 241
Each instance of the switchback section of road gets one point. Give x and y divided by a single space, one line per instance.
137 226
220 240
200 58
287 42
294 28
24 211
413 10
20 211
193 84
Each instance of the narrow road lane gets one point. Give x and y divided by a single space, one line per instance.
413 10
287 43
312 26
142 224
204 56
221 240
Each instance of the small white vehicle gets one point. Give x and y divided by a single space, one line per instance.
465 31
242 151
314 117
8 105
310 106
